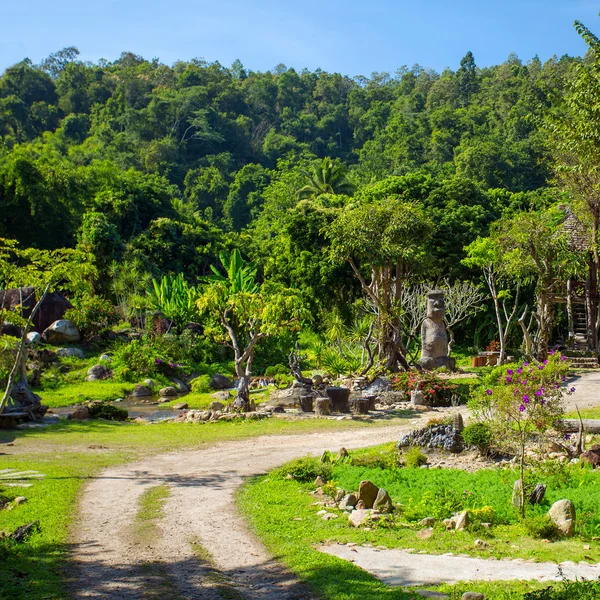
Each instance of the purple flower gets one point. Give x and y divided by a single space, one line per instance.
545 362
508 379
540 367
542 402
524 382
488 392
567 436
538 393
522 408
519 370
525 364
551 352
157 361
510 372
563 358
526 399
563 378
572 390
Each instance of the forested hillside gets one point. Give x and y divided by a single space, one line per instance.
154 169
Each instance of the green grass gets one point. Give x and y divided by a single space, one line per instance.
280 512
586 413
77 393
150 510
35 569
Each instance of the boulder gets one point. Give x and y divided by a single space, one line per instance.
462 520
216 406
425 534
98 372
383 502
180 386
472 596
220 396
427 522
317 380
367 492
106 358
149 383
52 309
168 392
141 391
62 331
348 501
33 337
80 413
70 352
358 517
288 398
180 406
562 514
319 481
378 386
220 382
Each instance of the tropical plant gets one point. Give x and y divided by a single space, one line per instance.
325 177
175 298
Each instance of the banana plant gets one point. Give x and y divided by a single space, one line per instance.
175 298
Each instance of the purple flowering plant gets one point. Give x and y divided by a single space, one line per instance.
520 410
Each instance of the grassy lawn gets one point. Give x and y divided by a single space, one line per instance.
68 454
292 530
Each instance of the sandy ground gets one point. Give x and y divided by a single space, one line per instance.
111 564
200 508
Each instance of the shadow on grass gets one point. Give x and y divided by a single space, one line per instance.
53 572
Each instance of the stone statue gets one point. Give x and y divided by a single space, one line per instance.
434 339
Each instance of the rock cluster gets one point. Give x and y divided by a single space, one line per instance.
436 436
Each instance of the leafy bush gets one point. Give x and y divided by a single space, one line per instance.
436 390
283 381
387 460
307 468
175 298
279 369
478 435
485 514
92 314
440 504
414 458
200 385
567 590
134 361
108 412
540 527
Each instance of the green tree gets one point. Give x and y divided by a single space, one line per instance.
325 177
241 312
384 243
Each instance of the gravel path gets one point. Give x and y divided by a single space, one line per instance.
111 564
200 508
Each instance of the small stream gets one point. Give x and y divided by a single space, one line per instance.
135 408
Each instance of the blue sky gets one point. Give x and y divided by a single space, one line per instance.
350 37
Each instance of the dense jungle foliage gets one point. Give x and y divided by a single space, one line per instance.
155 170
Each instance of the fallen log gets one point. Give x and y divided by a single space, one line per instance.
572 425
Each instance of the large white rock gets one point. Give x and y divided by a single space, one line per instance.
562 514
69 352
62 331
33 337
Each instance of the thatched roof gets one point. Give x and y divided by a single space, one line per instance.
579 239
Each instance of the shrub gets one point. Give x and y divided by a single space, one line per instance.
283 381
478 435
92 314
307 468
388 460
440 504
200 385
108 412
485 514
279 369
437 391
134 361
540 527
414 458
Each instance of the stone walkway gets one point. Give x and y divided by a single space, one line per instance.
402 568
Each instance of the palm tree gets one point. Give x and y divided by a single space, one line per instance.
326 177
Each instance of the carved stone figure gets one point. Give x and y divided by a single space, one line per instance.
434 339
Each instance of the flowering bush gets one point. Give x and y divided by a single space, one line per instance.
436 391
525 402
